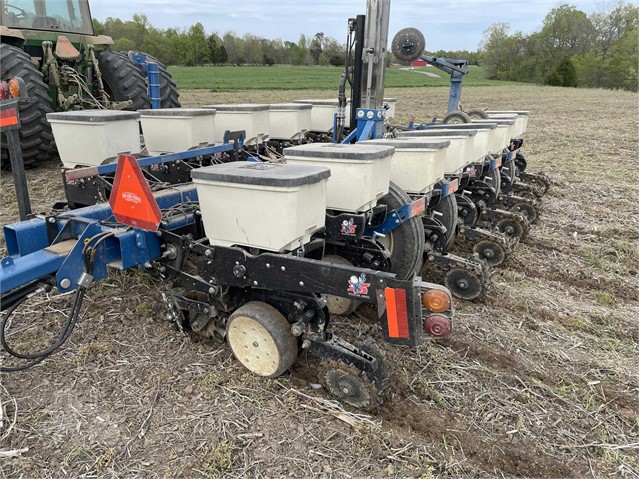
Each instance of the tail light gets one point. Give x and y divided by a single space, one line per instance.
436 300
437 326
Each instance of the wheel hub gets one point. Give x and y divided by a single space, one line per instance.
464 284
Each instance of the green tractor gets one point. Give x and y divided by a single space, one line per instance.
51 45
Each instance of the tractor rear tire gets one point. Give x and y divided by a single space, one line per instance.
405 243
123 80
456 117
169 95
36 139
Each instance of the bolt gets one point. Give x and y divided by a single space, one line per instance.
396 222
345 390
147 265
51 219
65 283
268 265
301 283
211 290
283 268
255 344
208 253
254 283
306 344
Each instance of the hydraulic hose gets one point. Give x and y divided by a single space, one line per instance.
89 253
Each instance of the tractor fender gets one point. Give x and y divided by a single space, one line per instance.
99 40
11 36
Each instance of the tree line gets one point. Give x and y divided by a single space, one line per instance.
599 50
193 46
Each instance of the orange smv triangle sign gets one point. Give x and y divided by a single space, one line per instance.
131 199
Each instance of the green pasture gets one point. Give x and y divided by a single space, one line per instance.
226 78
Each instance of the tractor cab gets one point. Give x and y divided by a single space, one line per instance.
68 16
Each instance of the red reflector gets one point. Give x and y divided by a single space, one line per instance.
397 313
453 186
418 207
131 200
8 117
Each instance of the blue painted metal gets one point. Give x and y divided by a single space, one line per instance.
454 95
370 126
152 76
394 219
128 247
153 160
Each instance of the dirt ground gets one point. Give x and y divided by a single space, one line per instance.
539 380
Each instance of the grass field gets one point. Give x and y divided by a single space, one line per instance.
219 79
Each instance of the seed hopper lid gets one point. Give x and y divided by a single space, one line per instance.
93 116
291 106
408 142
262 174
434 132
178 112
484 125
508 112
358 151
322 101
499 121
239 107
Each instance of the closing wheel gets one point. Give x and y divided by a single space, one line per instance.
261 339
463 284
512 228
405 243
349 385
338 305
456 117
491 252
527 210
477 114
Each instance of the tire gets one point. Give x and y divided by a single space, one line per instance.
495 180
123 80
456 117
169 95
477 114
448 208
36 138
338 305
406 243
261 339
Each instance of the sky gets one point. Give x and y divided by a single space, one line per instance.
447 25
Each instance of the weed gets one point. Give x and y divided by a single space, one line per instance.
220 459
604 298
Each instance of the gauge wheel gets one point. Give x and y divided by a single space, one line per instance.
477 114
338 305
405 243
261 339
456 117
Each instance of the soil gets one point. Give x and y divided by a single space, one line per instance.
539 379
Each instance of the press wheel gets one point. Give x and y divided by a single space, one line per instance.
261 339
